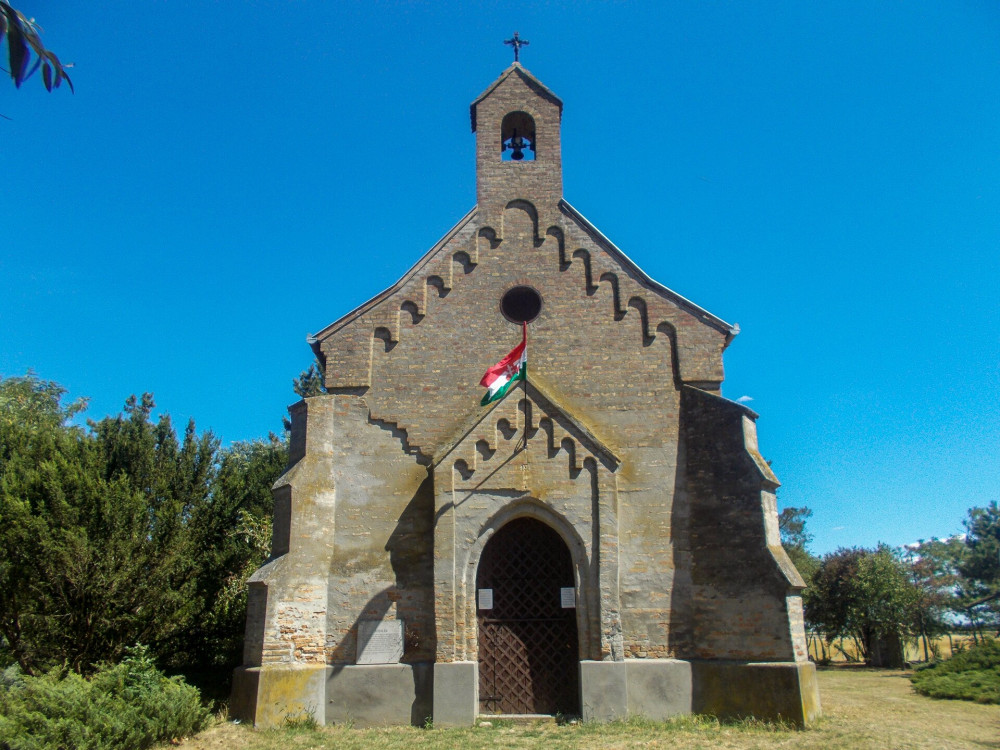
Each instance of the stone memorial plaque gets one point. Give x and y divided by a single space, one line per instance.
380 642
486 598
567 597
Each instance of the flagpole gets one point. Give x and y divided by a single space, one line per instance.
524 389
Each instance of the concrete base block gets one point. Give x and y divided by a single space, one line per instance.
379 694
456 693
603 690
269 695
658 688
781 691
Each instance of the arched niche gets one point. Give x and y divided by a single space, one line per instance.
517 137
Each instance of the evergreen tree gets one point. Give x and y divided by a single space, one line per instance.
168 482
233 534
310 382
980 566
44 464
123 533
97 550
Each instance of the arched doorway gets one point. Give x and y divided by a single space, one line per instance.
528 652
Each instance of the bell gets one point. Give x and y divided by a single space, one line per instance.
517 145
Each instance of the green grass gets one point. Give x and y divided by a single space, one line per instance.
973 675
874 709
680 732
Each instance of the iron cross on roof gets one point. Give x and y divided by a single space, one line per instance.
517 43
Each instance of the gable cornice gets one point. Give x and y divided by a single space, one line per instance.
731 330
549 403
314 339
537 86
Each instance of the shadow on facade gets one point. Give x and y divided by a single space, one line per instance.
411 557
680 637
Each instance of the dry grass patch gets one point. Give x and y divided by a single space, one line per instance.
863 709
844 650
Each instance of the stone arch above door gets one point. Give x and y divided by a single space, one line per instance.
526 457
584 563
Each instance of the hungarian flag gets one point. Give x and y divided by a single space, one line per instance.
501 377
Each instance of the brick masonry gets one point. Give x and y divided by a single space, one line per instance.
620 442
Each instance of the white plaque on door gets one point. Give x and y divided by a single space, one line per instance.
568 598
486 598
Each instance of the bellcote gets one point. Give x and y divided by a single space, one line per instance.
518 151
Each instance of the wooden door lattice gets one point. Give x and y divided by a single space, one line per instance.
527 642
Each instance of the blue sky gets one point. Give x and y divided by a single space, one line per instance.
231 176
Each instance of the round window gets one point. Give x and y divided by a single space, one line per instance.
521 304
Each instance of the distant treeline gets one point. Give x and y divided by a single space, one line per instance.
879 599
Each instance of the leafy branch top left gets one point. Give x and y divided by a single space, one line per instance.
23 38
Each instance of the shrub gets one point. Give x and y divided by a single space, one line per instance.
972 675
130 704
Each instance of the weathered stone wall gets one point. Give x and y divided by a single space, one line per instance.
382 566
744 589
352 540
287 606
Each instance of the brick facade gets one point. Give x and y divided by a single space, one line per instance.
619 441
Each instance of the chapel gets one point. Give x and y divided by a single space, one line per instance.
600 541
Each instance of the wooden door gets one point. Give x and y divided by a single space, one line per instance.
528 652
